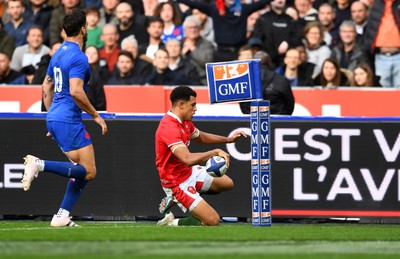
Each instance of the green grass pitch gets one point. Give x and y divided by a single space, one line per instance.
36 239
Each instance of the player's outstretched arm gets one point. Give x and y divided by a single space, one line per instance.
80 98
182 153
208 138
48 91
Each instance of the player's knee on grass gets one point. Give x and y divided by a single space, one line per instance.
212 220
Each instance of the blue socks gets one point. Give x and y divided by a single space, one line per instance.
72 194
66 169
76 184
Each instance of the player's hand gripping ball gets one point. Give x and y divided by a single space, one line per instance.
216 166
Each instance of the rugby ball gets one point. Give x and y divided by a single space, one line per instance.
216 166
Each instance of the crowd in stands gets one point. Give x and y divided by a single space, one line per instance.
313 43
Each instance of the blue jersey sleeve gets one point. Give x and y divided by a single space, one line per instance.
79 67
50 72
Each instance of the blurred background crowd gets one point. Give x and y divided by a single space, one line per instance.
313 43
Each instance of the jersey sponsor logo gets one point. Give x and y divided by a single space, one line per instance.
191 189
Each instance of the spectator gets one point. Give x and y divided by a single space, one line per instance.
39 13
196 48
276 88
331 76
141 67
123 73
93 30
317 52
359 14
111 49
276 31
206 26
293 71
17 28
7 44
363 76
251 22
44 62
382 38
30 53
57 16
179 64
41 70
306 11
307 67
256 45
230 22
107 13
162 75
169 13
95 91
155 29
349 53
130 23
245 53
343 13
326 16
7 75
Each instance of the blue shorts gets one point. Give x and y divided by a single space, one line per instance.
69 136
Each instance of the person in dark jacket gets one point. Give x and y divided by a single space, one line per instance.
7 75
276 30
293 71
162 75
123 73
141 67
39 13
230 21
276 89
180 64
349 53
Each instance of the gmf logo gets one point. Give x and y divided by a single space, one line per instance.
230 71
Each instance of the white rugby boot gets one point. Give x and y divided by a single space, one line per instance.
62 222
31 171
167 220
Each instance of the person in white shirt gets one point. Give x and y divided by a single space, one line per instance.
30 53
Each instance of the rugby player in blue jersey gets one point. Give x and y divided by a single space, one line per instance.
64 95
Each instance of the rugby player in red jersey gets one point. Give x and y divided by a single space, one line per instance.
182 178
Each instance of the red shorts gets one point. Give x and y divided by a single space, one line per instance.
186 194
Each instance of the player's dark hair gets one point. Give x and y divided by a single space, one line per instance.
73 22
182 93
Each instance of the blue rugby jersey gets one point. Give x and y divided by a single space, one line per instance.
68 62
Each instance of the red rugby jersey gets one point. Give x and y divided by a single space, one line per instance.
172 131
